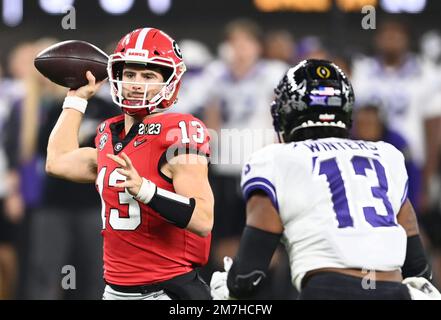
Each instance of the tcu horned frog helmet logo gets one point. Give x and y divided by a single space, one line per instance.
148 47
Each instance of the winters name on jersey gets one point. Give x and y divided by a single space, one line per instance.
149 128
330 145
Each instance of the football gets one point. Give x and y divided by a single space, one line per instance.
67 62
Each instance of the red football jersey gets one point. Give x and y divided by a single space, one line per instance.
141 247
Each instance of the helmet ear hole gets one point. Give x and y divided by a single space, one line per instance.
117 70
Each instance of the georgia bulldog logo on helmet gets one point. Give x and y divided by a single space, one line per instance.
147 46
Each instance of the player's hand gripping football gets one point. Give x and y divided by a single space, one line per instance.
87 91
133 179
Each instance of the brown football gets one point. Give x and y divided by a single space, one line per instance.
67 62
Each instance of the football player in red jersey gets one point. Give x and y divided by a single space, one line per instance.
150 169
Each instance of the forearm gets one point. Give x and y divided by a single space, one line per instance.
191 181
416 264
64 157
64 136
192 213
252 261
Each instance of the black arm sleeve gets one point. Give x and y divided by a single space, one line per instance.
174 208
252 261
416 264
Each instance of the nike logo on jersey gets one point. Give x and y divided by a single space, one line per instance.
139 142
257 281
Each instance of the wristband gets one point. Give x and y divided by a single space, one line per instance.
146 192
77 103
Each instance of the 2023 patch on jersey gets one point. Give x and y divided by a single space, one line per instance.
141 247
338 200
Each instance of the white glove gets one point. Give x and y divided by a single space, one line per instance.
421 289
218 283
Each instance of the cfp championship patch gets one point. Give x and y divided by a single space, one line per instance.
149 129
323 72
103 141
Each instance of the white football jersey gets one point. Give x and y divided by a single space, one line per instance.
410 95
245 104
338 200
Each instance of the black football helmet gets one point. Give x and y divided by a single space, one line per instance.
314 93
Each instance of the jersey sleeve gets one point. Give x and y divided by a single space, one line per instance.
259 174
400 179
186 134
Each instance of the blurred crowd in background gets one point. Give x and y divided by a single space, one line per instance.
46 223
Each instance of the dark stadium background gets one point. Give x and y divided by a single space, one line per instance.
339 32
204 20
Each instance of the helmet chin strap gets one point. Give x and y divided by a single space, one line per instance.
139 112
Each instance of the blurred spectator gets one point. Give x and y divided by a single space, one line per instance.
431 225
21 141
240 100
344 62
369 123
430 46
12 90
194 89
239 110
410 96
29 86
311 47
280 45
11 204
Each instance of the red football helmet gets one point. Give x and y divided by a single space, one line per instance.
147 46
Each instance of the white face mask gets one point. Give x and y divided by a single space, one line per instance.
166 88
